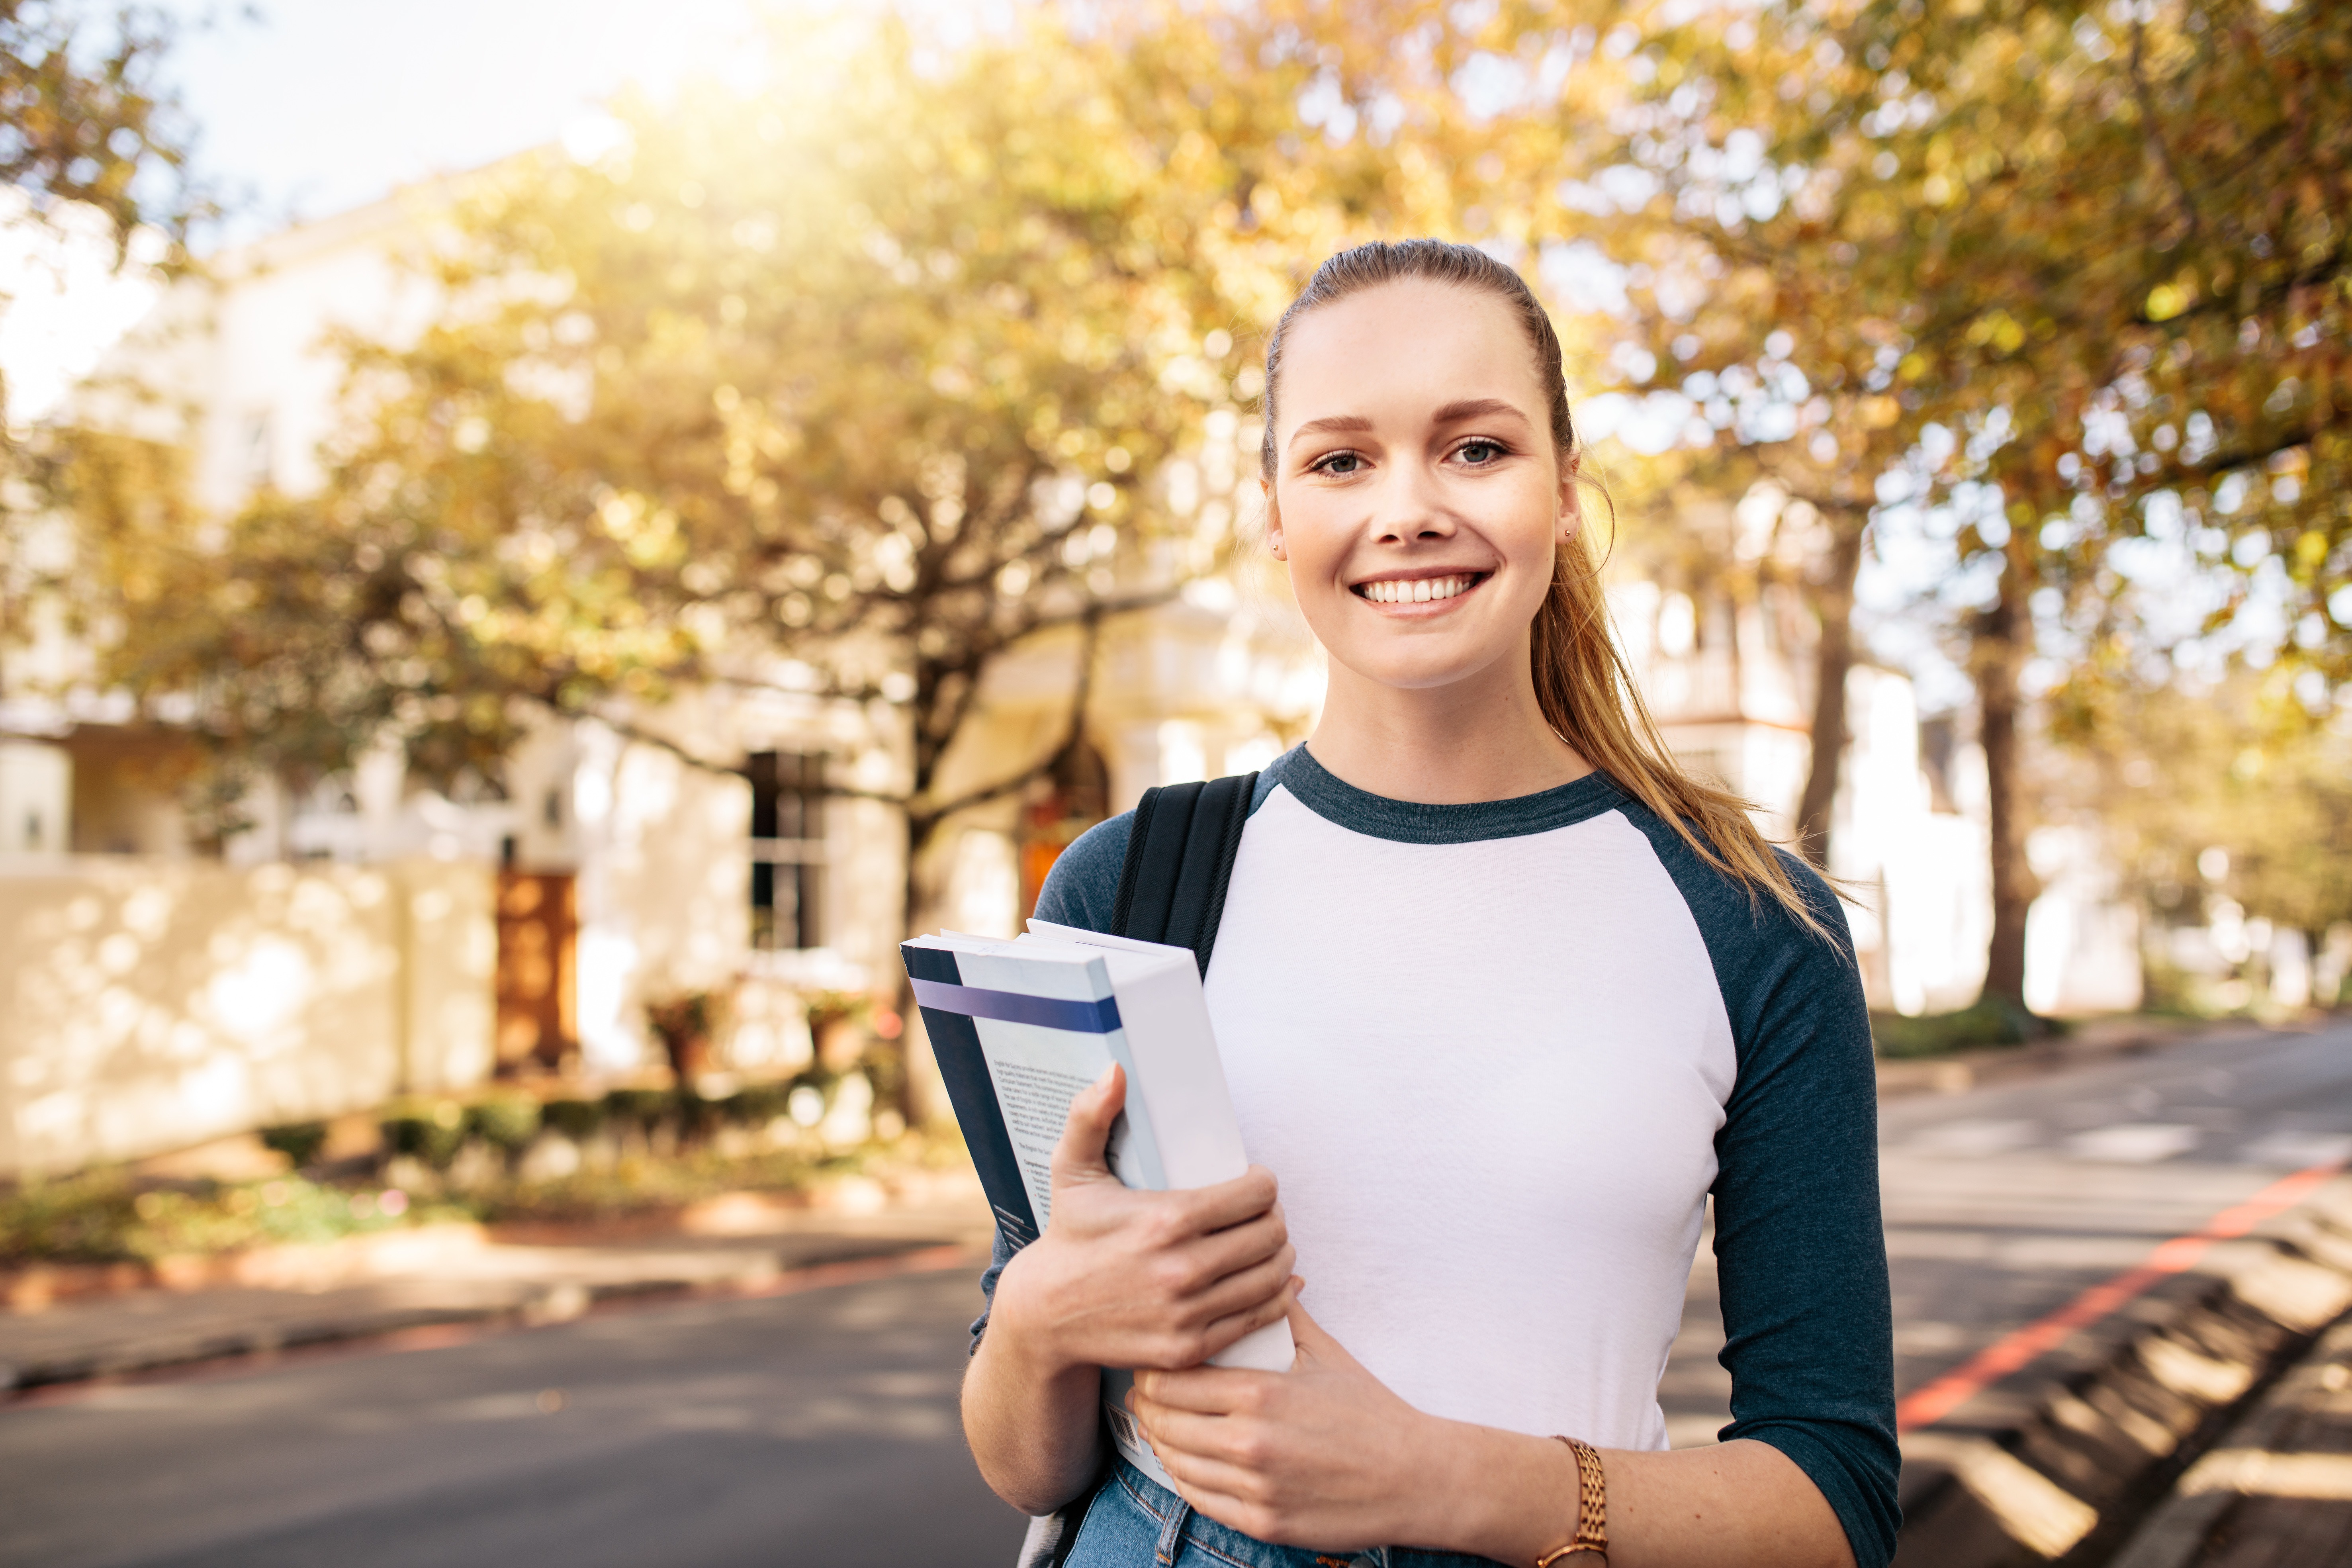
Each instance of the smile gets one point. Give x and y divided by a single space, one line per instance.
1419 590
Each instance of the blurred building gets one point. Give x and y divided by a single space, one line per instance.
612 871
609 872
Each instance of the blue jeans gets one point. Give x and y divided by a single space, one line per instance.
1133 1522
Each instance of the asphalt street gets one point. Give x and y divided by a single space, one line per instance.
2005 1202
816 1428
820 1427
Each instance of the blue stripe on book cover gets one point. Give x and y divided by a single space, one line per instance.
1098 1016
955 1046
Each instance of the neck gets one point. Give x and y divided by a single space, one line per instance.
1478 739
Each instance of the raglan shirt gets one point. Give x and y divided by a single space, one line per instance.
1497 1056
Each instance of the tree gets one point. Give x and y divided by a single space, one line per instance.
85 133
846 391
2060 272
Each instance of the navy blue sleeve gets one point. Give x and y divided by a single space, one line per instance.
1084 883
1799 1246
1078 891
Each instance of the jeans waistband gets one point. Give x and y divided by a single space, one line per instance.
1179 1525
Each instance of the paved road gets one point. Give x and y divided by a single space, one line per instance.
817 1429
2005 1202
820 1428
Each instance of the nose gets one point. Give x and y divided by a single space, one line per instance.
1408 507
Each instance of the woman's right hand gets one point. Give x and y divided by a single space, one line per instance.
1129 1278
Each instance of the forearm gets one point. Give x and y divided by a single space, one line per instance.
1512 1497
1035 1429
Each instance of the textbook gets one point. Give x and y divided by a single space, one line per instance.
1021 1028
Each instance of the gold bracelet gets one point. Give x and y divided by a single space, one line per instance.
1591 1508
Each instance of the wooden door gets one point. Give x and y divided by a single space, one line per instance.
538 932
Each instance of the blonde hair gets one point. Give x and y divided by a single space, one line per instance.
1586 693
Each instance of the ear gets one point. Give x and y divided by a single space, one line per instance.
1273 520
1571 503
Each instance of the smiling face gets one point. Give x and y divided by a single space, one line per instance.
1417 495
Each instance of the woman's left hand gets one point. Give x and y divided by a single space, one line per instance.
1322 1456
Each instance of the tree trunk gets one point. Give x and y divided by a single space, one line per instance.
1833 604
2003 639
919 1096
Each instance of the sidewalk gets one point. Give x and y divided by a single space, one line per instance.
2276 1492
741 1244
2087 1044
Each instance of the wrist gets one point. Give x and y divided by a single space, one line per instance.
1502 1495
1021 1320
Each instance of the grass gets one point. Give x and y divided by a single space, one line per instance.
107 1217
104 1216
1992 1022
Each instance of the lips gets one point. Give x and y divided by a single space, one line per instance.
1419 590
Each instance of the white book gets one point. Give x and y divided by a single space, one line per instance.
1021 1028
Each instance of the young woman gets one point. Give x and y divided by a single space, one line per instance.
1503 996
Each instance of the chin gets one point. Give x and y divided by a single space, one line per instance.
1420 672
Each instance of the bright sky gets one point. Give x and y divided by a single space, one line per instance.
305 108
316 106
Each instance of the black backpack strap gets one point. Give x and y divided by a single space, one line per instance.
1180 856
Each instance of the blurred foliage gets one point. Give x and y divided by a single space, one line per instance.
2170 774
2074 275
2046 261
104 1216
432 1130
841 392
1993 1021
847 391
83 120
638 1184
507 1122
299 1142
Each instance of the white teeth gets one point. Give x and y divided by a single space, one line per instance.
1416 591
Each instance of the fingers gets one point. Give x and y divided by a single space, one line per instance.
1079 1156
1245 1301
1233 1202
1200 1392
1240 1246
1200 1436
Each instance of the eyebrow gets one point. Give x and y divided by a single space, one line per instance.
1477 408
1451 414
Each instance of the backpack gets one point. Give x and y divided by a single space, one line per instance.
1171 888
1179 857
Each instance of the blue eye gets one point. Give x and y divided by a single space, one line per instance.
1339 463
1480 453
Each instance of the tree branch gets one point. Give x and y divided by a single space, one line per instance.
925 821
2154 130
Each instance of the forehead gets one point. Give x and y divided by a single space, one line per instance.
1404 344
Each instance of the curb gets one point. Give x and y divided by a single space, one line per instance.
2178 1529
558 1303
2026 1473
1980 1066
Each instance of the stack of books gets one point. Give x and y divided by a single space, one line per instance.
1021 1028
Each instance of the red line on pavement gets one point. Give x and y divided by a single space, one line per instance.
1932 1401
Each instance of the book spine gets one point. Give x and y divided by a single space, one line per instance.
963 1067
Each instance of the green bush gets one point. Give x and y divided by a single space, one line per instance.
100 1217
431 1131
1992 1022
578 1119
299 1142
757 1104
87 1218
643 1109
507 1122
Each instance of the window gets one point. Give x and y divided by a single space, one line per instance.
787 849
